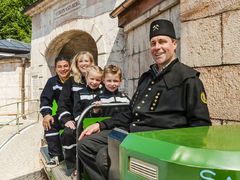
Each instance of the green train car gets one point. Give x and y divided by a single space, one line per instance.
200 153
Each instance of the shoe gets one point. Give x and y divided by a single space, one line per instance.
53 162
74 175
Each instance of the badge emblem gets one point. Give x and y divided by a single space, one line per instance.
203 98
155 27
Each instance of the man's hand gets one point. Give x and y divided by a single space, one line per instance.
47 121
94 128
71 124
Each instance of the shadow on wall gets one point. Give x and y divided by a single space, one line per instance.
118 56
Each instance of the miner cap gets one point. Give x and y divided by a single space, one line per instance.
162 27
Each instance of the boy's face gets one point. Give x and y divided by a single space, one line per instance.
94 79
112 82
62 69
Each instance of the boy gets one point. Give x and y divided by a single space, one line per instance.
112 78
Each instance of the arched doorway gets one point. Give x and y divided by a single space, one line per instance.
69 43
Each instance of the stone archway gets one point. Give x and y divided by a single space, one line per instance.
69 43
73 37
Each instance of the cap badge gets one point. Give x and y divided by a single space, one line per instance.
155 27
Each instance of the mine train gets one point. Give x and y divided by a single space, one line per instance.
197 153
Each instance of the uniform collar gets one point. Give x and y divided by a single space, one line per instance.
155 71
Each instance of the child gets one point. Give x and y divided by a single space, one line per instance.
82 99
49 99
112 78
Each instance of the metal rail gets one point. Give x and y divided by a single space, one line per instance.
18 114
79 122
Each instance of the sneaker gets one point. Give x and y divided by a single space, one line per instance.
54 161
74 175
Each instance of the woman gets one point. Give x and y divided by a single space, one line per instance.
76 82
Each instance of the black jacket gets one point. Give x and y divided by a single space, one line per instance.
51 92
112 97
174 98
82 99
66 100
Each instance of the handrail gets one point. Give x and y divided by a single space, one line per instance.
79 121
19 102
18 115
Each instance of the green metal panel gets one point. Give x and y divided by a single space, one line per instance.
187 153
88 121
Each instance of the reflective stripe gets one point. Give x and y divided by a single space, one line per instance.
76 118
118 99
122 99
70 147
107 100
51 134
88 97
62 114
45 107
76 88
57 87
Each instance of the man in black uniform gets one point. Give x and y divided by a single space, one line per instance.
48 106
169 95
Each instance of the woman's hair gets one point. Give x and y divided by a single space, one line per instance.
77 75
93 68
112 69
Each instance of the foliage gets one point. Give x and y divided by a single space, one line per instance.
13 23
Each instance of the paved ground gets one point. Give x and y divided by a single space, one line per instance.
20 156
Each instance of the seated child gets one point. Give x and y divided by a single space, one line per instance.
112 78
82 99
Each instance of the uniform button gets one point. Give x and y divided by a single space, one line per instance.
146 95
133 124
138 107
158 93
152 108
143 102
136 114
155 100
138 120
154 104
152 82
156 97
149 89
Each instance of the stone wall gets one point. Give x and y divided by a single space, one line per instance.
210 42
10 86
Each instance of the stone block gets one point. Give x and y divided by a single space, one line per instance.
133 68
231 36
201 42
175 18
196 9
222 85
130 43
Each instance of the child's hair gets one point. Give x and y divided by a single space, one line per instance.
75 70
62 58
112 69
94 68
